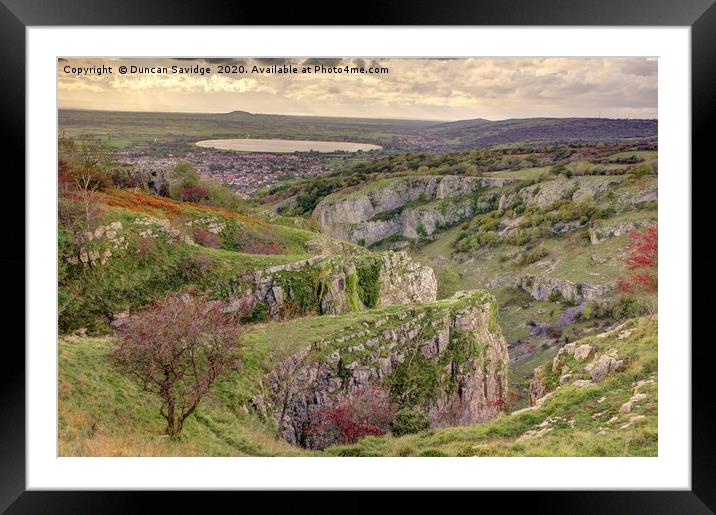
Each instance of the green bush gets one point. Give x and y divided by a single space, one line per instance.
259 313
628 307
641 170
432 453
408 421
368 283
556 296
533 256
415 381
420 229
350 452
448 282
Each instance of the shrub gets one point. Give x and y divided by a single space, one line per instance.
433 453
643 258
415 381
146 247
561 170
556 296
349 417
641 170
206 238
448 282
627 307
420 229
535 255
176 350
408 421
368 283
181 178
192 194
259 312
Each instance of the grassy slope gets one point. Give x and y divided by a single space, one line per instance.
102 413
131 278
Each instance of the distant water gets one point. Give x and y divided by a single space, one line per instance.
285 145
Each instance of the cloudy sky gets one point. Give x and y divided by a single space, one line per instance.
438 89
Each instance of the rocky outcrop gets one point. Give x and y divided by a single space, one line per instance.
606 230
403 207
547 193
450 352
103 242
568 367
551 288
331 285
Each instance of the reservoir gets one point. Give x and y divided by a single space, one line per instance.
285 145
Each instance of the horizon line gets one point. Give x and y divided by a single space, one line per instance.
440 120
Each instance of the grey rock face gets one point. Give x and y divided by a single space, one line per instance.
400 281
583 352
442 201
546 288
470 390
606 365
604 231
546 193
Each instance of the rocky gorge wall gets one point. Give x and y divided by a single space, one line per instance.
447 359
406 207
331 285
551 288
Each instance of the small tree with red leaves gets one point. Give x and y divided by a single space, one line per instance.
177 349
643 259
347 418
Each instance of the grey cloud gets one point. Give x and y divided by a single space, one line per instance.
643 68
325 61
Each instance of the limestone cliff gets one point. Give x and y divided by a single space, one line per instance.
551 288
332 285
401 208
546 193
447 358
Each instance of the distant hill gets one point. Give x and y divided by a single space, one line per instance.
179 131
483 133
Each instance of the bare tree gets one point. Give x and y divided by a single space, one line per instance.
177 349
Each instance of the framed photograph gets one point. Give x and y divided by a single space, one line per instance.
416 253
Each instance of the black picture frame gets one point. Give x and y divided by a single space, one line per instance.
17 15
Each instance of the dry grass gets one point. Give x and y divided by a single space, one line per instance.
156 205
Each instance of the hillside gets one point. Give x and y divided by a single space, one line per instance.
102 413
162 132
543 131
462 303
176 132
616 416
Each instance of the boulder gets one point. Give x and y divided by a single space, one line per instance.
582 352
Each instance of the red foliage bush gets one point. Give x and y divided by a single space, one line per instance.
643 258
193 194
369 411
206 238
